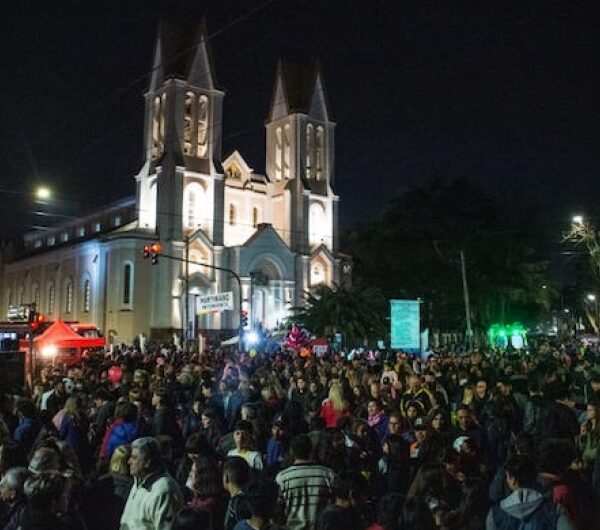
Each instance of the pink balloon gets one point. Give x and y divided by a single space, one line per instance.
115 374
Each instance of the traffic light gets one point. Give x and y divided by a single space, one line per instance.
152 250
35 320
244 318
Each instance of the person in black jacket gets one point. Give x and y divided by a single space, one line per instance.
13 494
46 497
164 422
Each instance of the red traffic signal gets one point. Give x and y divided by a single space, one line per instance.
152 250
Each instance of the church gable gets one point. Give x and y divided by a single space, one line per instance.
236 168
266 244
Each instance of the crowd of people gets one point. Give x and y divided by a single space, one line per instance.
169 440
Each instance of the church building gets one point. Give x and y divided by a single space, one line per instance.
278 231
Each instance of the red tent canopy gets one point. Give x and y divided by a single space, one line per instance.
61 335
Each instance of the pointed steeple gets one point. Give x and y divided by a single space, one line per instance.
157 76
279 103
182 52
318 103
201 73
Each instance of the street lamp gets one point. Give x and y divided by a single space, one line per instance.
577 219
43 193
591 297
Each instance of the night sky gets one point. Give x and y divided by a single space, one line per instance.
506 93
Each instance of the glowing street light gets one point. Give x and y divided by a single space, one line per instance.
43 193
577 219
591 297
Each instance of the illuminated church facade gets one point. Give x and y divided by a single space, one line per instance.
278 231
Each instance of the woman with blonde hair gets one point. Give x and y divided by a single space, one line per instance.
110 491
74 429
334 407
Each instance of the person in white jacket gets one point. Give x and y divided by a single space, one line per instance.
525 505
155 498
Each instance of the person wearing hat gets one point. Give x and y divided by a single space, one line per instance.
277 445
417 447
244 445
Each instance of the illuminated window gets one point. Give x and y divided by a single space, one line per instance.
117 221
97 227
317 231
51 241
86 296
255 217
38 243
202 126
127 283
191 209
64 237
286 151
81 231
69 297
278 152
158 125
320 153
309 150
36 296
51 298
231 214
188 122
233 172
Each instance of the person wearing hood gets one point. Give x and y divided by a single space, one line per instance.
122 431
525 505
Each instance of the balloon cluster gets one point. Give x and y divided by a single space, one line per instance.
297 339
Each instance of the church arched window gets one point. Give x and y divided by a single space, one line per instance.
36 296
309 150
286 150
278 152
87 295
127 283
320 152
51 298
316 224
202 126
158 125
232 214
69 297
192 204
188 122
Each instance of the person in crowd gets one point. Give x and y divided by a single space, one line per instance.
525 505
74 430
155 497
204 481
210 427
236 477
164 421
12 493
243 437
122 431
304 487
589 440
262 497
334 407
109 492
416 392
349 491
46 499
104 411
29 427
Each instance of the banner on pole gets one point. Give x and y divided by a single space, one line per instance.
405 325
215 302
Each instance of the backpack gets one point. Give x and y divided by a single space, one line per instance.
545 517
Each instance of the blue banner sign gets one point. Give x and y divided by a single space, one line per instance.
405 321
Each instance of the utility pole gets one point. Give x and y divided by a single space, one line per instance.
463 268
